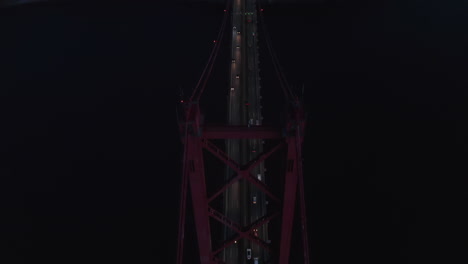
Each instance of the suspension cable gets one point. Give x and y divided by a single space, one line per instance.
218 45
199 88
278 69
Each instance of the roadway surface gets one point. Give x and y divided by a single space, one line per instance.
244 204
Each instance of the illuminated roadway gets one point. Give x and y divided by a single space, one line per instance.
244 204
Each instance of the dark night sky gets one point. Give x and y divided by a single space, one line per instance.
91 154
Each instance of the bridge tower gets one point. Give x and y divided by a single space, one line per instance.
254 220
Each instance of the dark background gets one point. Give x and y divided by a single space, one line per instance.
91 152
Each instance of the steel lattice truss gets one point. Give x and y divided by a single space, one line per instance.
197 137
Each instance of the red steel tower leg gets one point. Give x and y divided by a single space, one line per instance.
183 204
305 240
196 175
289 201
302 204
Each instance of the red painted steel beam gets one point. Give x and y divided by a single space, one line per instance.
229 132
299 137
260 185
182 208
241 234
263 220
239 237
305 240
224 220
289 200
242 173
256 224
196 173
254 163
226 245
224 187
220 154
249 177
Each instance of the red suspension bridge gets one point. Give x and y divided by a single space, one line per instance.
251 214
